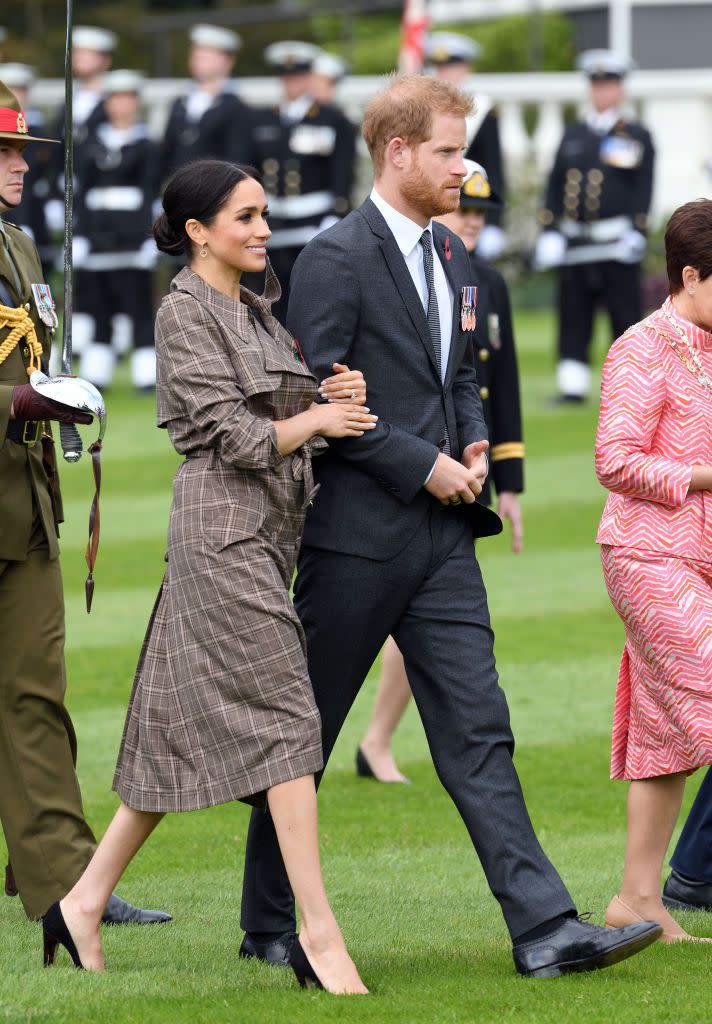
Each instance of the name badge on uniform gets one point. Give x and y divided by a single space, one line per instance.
45 305
621 151
468 320
495 338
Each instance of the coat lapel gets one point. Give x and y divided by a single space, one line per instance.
401 277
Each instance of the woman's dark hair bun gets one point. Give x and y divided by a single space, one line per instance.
197 191
167 239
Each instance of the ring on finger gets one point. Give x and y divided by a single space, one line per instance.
455 501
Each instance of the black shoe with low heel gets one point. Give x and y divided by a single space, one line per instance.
299 962
363 768
55 933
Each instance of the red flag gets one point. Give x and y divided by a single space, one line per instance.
414 27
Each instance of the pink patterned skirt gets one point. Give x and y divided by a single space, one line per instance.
662 721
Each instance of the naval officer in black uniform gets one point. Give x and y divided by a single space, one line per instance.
114 253
305 151
453 57
211 121
594 217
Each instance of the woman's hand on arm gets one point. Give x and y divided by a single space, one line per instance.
701 478
328 420
345 386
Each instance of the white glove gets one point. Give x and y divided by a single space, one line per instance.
491 242
54 214
632 246
549 251
147 255
80 250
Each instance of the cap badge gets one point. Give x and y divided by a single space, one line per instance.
477 187
21 124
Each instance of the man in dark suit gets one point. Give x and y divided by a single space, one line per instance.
388 546
689 886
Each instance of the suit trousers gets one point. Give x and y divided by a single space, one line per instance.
582 288
693 853
48 840
431 597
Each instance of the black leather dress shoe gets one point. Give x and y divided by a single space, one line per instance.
578 946
682 893
276 952
118 911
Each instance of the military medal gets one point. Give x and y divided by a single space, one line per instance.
468 320
45 305
495 338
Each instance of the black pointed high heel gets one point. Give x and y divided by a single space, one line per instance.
299 962
363 768
56 932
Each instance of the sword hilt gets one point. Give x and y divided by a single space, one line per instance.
71 442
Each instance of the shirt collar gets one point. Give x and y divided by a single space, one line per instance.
405 231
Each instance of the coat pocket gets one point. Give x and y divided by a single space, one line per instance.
239 519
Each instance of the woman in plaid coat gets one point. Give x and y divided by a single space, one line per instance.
222 708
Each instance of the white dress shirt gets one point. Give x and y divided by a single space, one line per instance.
407 235
603 122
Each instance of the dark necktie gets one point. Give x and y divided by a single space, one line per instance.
433 311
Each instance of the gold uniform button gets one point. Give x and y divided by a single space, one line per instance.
484 354
595 176
484 393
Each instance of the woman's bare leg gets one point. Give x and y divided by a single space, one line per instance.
391 701
653 809
294 813
83 905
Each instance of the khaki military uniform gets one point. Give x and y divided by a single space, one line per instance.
48 839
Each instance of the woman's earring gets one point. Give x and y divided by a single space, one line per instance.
204 252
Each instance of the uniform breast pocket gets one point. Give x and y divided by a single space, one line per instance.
255 376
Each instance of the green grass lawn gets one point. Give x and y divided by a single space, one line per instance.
402 875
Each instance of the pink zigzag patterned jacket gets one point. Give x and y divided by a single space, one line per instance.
655 423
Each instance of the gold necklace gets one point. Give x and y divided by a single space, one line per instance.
690 358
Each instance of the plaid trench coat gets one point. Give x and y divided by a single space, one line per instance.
222 707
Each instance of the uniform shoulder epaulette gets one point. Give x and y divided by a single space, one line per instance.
15 227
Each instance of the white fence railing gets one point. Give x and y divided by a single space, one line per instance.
676 106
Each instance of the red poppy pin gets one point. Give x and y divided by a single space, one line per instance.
297 352
448 250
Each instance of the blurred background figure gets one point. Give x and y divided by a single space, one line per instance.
113 250
29 215
689 886
211 121
595 217
327 71
305 151
92 51
495 359
452 56
3 37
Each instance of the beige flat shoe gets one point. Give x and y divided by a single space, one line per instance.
620 914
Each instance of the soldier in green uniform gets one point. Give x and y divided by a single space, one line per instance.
41 811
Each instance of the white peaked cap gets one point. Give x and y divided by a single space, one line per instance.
329 65
88 37
123 80
604 63
444 47
216 37
17 76
291 54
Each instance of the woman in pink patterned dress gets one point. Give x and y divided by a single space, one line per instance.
654 454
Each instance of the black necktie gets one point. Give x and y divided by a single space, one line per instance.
433 312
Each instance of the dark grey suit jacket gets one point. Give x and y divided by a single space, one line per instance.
352 300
